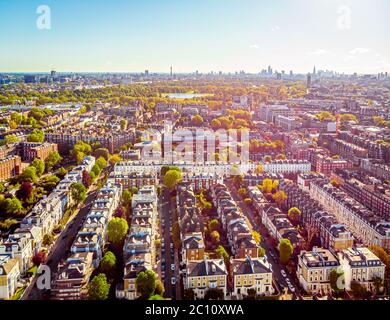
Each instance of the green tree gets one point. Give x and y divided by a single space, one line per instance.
146 283
11 138
117 230
114 159
172 178
294 213
96 170
285 250
52 160
126 197
378 284
101 152
214 225
78 192
215 237
39 165
12 206
101 163
222 253
334 277
156 297
36 136
28 174
261 252
159 288
108 264
98 288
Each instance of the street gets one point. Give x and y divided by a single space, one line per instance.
271 253
61 247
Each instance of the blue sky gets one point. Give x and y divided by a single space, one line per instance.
228 35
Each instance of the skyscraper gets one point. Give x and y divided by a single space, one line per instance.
314 70
171 72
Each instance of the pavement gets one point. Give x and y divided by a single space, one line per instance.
278 279
60 250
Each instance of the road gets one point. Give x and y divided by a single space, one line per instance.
271 253
61 247
170 254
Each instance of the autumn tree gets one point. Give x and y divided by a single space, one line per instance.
117 230
285 250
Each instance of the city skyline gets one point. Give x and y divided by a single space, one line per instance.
122 36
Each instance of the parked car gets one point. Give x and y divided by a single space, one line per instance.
173 267
173 280
284 274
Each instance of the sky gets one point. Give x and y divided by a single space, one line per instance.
206 35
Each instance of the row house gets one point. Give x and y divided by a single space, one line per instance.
134 179
91 236
10 167
37 150
255 179
18 247
201 181
204 275
74 272
287 166
139 252
9 275
251 274
366 226
73 276
190 223
239 235
318 222
358 265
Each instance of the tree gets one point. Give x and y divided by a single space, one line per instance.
48 183
378 284
78 192
172 178
279 197
117 230
359 291
159 288
39 165
96 170
52 160
127 197
101 163
259 169
285 250
80 150
36 136
335 183
61 172
156 297
222 253
214 294
261 252
114 159
28 174
243 192
108 264
101 153
334 277
176 235
11 138
197 120
123 124
12 206
86 179
256 236
146 283
25 191
38 258
189 294
48 239
98 288
214 225
215 237
294 213
267 158
267 185
280 157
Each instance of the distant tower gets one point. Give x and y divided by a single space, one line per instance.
308 80
171 72
269 70
146 73
314 70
